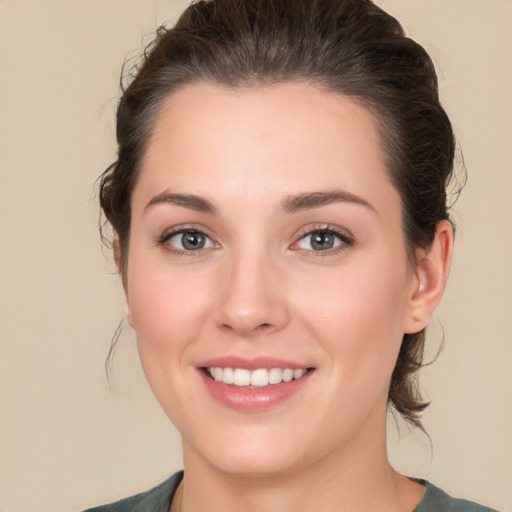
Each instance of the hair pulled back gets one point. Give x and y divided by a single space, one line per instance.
350 47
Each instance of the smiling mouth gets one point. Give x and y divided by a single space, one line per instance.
258 378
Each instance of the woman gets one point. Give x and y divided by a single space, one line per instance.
282 232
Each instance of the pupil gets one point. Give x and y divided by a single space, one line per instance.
193 240
322 241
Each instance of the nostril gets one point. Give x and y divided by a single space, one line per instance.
264 327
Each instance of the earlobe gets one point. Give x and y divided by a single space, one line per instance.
119 264
432 271
118 258
129 317
117 253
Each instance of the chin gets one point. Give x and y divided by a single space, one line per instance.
261 466
250 453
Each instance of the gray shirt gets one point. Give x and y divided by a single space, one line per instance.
160 497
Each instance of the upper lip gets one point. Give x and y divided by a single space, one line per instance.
251 363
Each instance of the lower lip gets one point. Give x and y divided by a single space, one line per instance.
253 399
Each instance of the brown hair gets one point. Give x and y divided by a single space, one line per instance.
350 47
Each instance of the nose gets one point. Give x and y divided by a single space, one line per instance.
252 299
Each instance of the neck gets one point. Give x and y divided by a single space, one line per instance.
343 481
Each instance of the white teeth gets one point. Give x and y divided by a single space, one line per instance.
275 376
287 375
297 374
256 378
228 376
259 378
242 377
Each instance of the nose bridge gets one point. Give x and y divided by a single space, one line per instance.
252 300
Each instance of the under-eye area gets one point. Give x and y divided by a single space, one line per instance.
255 378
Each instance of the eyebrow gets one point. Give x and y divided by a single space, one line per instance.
309 200
290 204
190 201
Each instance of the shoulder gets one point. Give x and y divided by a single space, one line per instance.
436 500
157 499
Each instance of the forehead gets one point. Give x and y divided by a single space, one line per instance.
265 141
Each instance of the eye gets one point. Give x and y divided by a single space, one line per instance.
188 240
323 240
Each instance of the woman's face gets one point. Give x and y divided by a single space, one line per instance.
266 235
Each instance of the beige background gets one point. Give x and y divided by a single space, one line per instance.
66 441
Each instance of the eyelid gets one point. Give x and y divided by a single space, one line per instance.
346 238
164 238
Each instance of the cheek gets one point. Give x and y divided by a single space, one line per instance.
358 316
168 313
167 308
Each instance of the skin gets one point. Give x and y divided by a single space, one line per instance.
258 287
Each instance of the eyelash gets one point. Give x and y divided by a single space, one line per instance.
345 240
164 239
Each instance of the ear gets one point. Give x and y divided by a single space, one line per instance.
122 272
116 246
431 274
